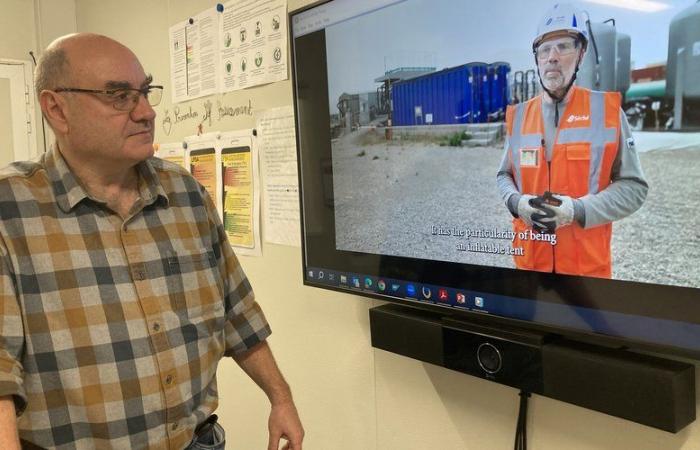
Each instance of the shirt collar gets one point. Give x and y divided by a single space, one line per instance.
69 191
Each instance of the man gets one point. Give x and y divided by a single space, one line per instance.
119 292
570 167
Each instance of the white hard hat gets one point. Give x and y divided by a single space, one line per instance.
562 17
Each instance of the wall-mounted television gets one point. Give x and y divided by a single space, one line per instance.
401 109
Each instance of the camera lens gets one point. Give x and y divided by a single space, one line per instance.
489 358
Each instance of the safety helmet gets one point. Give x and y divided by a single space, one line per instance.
562 17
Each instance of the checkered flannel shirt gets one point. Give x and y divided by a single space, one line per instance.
111 330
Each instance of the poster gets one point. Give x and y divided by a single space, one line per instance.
226 164
240 191
194 56
277 143
203 165
173 152
253 43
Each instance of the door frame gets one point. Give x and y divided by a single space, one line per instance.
24 131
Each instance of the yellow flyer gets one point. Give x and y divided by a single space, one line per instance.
173 152
203 169
237 176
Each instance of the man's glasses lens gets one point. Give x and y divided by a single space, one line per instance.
563 48
127 99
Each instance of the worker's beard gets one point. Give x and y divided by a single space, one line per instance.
555 78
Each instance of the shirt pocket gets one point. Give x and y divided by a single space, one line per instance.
196 285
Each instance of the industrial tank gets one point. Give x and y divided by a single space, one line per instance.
603 42
684 53
622 66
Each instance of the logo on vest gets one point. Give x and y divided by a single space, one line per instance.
574 118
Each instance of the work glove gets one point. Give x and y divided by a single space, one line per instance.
526 209
556 211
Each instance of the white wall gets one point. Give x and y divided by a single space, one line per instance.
30 25
350 395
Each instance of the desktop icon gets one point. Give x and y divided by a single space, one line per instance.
427 293
461 298
344 279
331 277
356 282
381 285
479 302
410 290
320 274
395 287
443 295
368 282
311 273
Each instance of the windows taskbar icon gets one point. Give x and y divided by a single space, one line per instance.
410 290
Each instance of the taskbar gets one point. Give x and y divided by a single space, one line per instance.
403 289
581 319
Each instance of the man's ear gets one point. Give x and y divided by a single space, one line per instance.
53 106
581 55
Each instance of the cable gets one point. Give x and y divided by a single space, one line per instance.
43 128
521 428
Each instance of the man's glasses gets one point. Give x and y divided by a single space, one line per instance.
563 47
124 99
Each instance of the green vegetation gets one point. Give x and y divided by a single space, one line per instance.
455 139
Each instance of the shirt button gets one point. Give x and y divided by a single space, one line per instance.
156 326
168 379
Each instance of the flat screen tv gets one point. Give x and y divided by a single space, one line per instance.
401 110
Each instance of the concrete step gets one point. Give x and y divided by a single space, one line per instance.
483 142
488 134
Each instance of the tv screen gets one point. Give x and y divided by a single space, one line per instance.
428 176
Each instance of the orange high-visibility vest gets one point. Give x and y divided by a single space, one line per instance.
585 148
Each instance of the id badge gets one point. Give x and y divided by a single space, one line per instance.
529 157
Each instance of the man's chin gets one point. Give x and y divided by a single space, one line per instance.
140 152
554 86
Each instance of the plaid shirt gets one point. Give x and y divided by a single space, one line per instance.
111 330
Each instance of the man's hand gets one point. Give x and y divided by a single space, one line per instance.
526 210
556 215
8 425
284 423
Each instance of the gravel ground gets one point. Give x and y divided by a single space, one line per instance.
393 198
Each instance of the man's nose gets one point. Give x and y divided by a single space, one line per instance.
553 55
143 110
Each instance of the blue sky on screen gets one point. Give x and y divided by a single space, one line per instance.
448 33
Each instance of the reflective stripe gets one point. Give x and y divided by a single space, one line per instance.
597 135
518 140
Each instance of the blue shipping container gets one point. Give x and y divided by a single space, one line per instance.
499 94
480 72
450 96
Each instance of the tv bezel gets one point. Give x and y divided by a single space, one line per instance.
511 278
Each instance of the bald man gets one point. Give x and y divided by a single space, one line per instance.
119 291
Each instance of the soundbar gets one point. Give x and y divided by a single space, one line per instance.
645 389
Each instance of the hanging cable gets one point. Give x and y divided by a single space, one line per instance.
521 427
43 128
